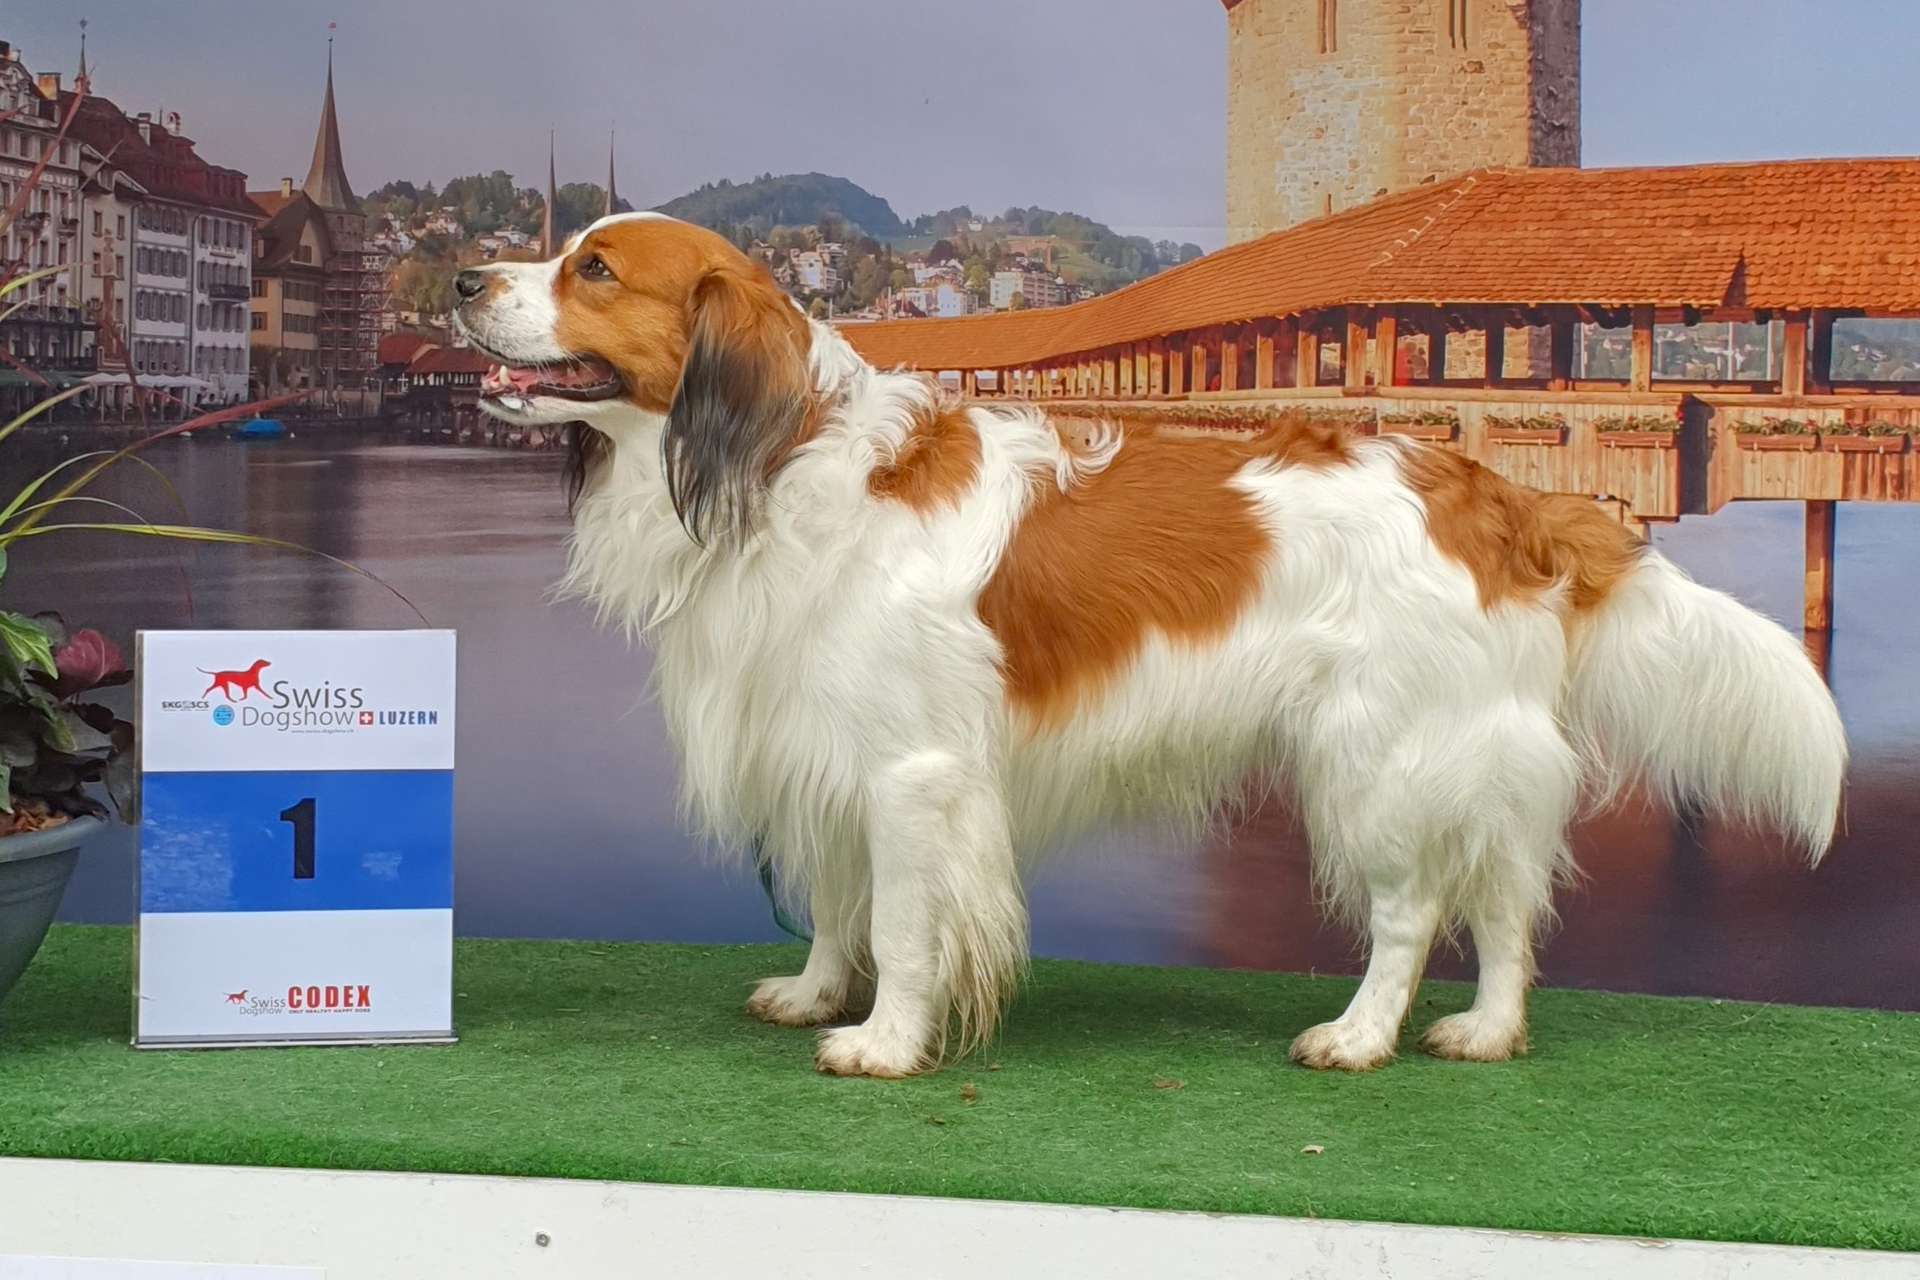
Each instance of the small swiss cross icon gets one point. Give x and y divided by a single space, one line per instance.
366 717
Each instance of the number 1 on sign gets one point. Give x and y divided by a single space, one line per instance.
300 816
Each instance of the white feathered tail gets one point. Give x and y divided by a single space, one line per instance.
1706 701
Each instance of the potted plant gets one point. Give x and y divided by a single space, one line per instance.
1865 437
1421 424
1531 428
1636 431
54 744
1775 434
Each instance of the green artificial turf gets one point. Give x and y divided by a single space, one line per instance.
1158 1088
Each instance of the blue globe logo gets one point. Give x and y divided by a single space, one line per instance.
223 715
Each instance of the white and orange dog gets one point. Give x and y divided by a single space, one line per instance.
911 643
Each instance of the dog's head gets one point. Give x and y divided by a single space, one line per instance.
648 319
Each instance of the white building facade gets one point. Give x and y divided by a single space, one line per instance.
223 291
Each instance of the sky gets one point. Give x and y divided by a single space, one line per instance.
1111 108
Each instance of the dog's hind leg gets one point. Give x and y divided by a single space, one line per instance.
1402 917
833 980
1528 793
948 923
1495 1028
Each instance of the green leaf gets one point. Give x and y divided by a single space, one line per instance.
3 562
6 788
27 643
85 738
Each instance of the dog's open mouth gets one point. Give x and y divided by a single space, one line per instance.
585 378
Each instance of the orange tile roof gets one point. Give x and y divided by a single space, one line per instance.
403 346
1793 234
270 202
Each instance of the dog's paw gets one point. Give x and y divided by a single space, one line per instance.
1475 1036
1342 1046
866 1050
795 1001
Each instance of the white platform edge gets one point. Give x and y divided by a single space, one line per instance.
368 1226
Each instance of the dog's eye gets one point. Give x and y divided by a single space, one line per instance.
594 269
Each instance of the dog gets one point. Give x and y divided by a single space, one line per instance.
912 644
237 997
227 681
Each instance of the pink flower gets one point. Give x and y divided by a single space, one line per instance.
86 659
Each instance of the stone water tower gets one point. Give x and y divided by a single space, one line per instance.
1331 103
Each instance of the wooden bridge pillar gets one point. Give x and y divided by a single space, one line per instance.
1263 332
1353 352
1793 355
1229 358
1821 514
969 383
1386 348
1177 365
1437 352
1496 351
1640 369
1157 367
1561 339
1142 368
1820 352
1306 353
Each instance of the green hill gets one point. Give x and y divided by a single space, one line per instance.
791 200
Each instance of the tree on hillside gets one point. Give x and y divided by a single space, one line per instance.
868 280
424 285
1018 302
942 251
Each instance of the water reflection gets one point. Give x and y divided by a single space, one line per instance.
565 806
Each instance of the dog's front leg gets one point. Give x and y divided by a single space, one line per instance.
948 923
832 983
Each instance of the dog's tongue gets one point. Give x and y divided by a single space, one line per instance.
508 378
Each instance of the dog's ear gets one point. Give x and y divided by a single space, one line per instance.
743 403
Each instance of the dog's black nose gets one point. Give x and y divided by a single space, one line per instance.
470 284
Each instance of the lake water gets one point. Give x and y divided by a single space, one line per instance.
565 791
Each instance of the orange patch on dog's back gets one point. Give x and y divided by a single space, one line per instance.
1517 542
1158 541
937 463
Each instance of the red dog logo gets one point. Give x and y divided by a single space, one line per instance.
227 681
237 997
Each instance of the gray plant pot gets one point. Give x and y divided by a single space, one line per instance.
34 870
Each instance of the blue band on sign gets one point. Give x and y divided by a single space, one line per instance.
318 841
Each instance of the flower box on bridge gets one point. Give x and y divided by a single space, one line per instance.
1433 432
1865 443
1766 442
1662 439
1527 435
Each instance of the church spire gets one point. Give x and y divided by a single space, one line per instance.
547 246
80 77
613 200
327 177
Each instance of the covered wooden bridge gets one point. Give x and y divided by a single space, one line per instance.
1664 339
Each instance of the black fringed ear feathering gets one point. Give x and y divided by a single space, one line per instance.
742 404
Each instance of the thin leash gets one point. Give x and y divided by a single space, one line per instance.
787 923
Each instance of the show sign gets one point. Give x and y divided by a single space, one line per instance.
296 837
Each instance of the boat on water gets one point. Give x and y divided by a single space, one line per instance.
260 429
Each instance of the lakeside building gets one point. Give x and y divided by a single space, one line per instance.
316 267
